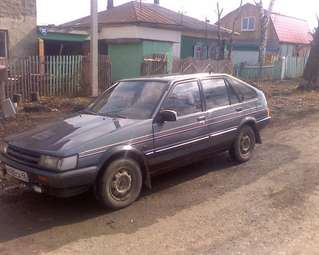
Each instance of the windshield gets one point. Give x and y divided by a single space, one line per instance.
130 99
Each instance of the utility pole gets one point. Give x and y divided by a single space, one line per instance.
94 50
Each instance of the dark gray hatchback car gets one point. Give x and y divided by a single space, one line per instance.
137 129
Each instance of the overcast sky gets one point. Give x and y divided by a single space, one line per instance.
60 11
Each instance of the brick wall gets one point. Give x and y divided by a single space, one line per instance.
18 17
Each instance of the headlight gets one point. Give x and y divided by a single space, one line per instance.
61 164
3 147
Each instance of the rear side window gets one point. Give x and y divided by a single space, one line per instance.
243 91
184 99
215 92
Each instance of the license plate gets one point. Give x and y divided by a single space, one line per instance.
18 174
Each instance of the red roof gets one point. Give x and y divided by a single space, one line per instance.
291 30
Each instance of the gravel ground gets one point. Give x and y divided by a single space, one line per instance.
269 205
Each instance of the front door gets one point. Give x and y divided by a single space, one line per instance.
187 135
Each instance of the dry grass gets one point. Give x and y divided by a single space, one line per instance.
287 102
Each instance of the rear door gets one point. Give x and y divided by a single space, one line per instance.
174 140
222 111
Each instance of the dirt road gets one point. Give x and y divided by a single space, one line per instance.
269 205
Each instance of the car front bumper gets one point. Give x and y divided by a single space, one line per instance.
61 184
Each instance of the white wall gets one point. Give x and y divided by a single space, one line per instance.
177 50
250 57
138 32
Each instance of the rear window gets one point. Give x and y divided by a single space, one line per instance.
243 91
215 92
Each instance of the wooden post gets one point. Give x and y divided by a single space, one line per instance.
3 80
94 49
41 56
283 68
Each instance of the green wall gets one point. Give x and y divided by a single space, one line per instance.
188 43
156 47
126 60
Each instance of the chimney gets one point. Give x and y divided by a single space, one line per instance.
110 4
157 2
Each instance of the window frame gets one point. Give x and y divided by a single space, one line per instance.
204 97
6 40
171 89
248 23
228 80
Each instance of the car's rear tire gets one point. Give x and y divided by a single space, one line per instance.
243 147
120 184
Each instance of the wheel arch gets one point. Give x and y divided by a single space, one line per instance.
126 151
250 121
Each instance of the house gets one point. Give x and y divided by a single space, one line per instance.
18 28
56 41
134 30
287 36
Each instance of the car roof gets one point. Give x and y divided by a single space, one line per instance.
177 77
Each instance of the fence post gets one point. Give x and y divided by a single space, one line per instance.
283 68
3 80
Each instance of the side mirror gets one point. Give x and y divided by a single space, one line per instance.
166 115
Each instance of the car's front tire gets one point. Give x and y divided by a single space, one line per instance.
120 184
243 147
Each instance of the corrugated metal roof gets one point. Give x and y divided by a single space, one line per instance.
291 30
136 13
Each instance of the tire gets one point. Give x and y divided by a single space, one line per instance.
120 185
242 149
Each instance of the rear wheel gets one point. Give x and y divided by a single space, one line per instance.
244 145
120 184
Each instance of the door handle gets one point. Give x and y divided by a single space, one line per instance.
201 118
240 109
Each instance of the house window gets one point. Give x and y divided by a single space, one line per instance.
248 24
200 51
3 44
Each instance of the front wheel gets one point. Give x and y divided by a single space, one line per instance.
244 145
120 185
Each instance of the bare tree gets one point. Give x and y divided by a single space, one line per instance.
311 73
219 13
264 24
231 40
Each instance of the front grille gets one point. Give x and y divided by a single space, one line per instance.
23 156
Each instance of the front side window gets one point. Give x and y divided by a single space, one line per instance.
130 99
248 24
184 99
3 44
243 91
215 92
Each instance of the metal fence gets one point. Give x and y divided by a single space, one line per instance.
285 68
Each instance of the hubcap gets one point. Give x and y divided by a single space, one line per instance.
245 144
121 184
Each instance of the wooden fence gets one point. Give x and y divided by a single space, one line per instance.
49 76
294 67
154 64
191 65
54 76
105 74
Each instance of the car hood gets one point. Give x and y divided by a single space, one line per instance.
70 135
